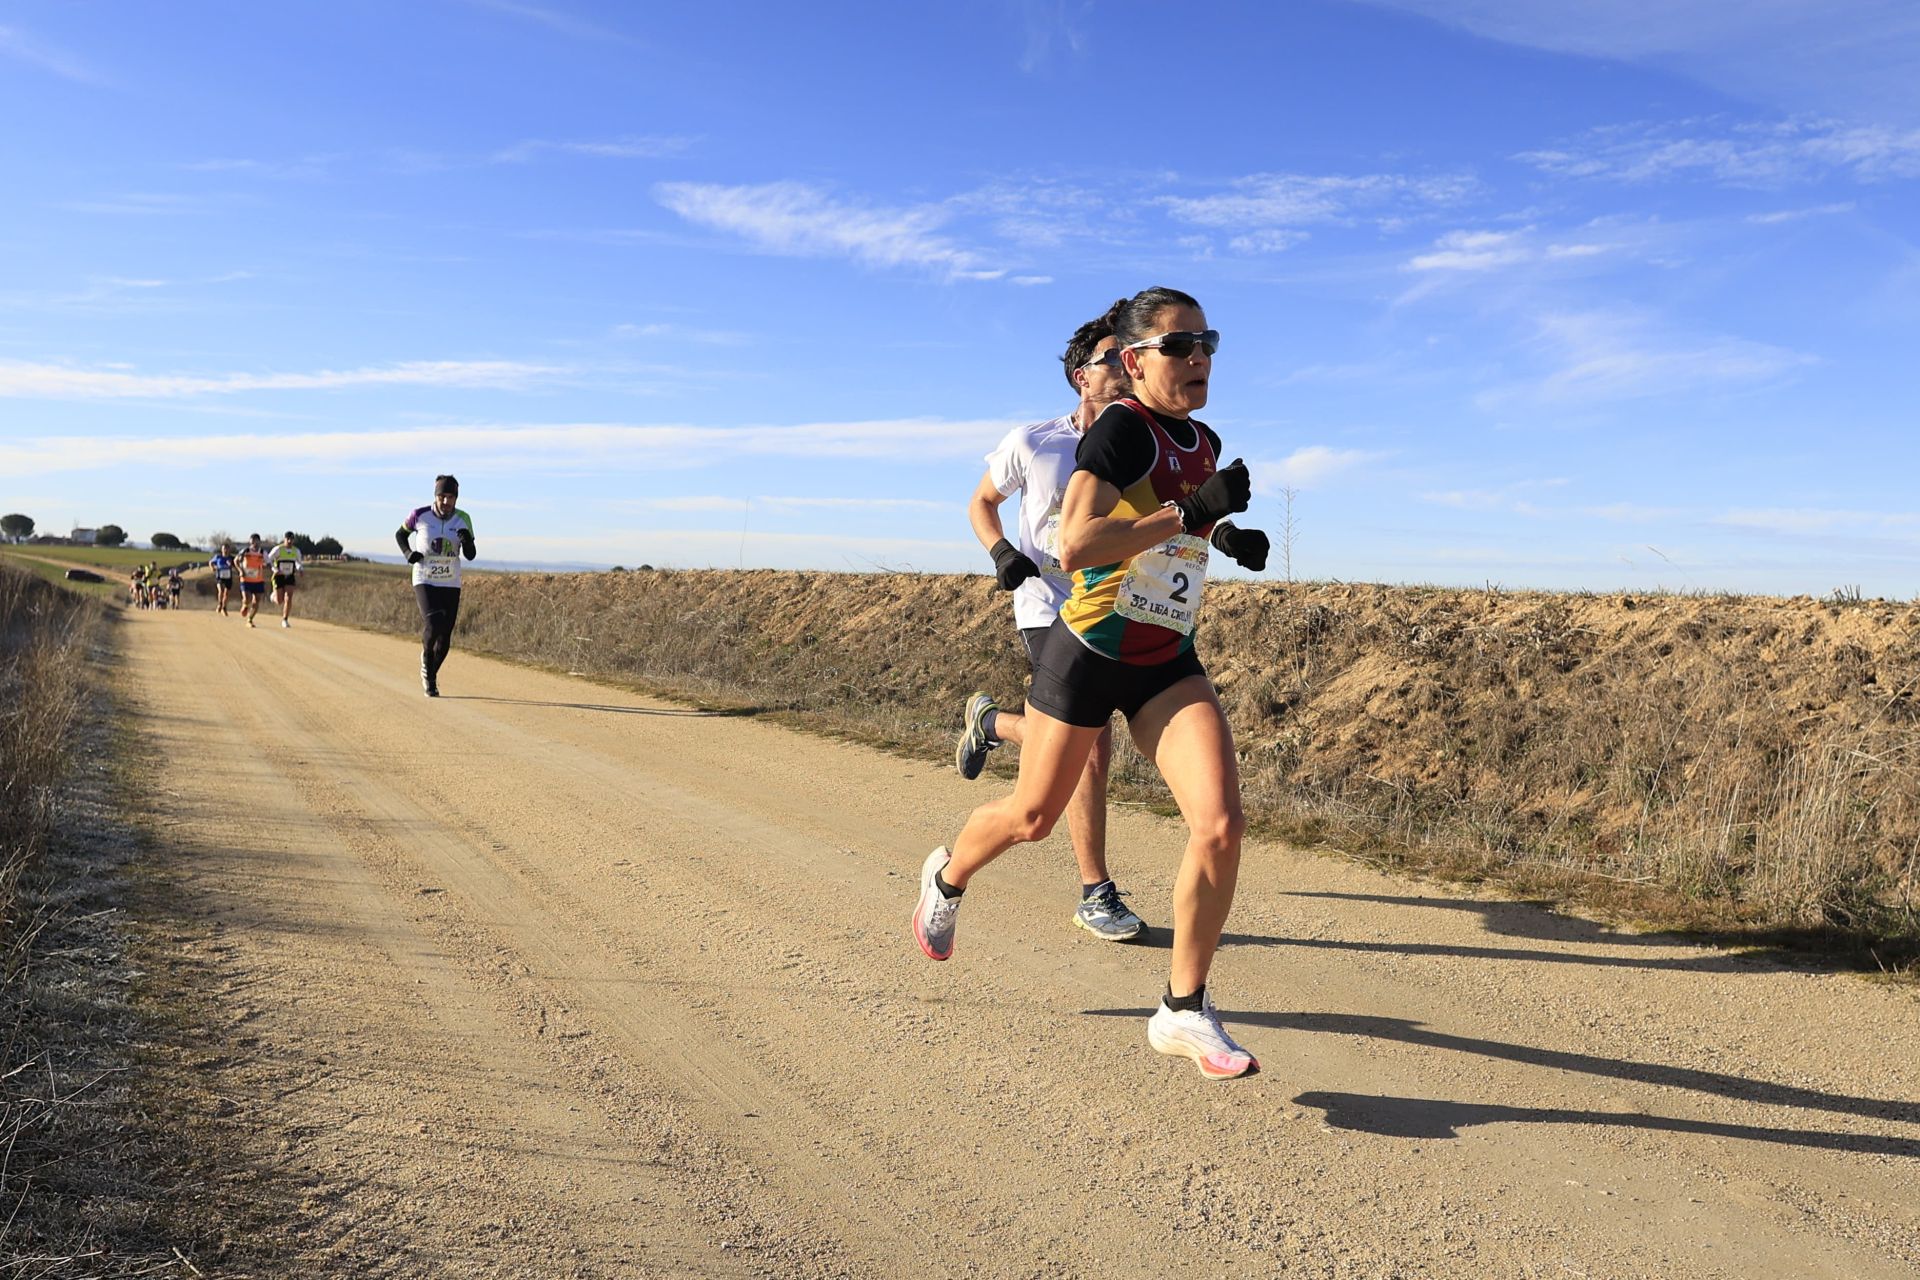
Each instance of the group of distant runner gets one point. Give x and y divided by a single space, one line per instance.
254 564
1122 502
149 588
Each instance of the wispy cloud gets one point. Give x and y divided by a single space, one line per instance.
797 220
143 204
1799 215
1608 356
24 380
1857 57
625 148
18 45
1817 520
555 20
1272 207
682 333
1309 466
1766 156
535 447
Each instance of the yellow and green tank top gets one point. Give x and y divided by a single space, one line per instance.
1141 610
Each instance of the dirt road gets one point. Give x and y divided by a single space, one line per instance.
543 978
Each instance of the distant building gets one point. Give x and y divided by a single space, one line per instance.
85 537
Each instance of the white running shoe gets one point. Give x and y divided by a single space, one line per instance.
936 913
285 623
1201 1037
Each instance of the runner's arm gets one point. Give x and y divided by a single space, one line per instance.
1091 535
404 536
983 511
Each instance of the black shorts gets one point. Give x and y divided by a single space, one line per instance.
1074 684
283 581
253 588
1035 638
225 584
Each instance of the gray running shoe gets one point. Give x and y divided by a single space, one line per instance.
1104 916
970 755
934 917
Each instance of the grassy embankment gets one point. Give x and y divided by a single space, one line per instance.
50 563
1743 767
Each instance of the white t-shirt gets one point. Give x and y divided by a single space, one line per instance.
1036 462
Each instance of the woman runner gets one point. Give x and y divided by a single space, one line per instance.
1146 500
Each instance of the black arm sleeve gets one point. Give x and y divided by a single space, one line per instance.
400 536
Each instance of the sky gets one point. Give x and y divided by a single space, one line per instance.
1573 294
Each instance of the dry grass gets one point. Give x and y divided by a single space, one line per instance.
1742 766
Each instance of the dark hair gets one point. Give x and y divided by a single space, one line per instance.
445 484
1088 336
1132 318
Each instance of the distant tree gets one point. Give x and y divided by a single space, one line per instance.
217 537
303 542
327 545
17 527
167 542
109 535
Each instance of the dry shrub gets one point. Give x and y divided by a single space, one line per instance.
1754 756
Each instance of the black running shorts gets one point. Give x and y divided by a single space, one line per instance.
1074 684
282 581
1035 638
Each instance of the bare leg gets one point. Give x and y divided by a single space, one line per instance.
1087 811
1051 762
1184 732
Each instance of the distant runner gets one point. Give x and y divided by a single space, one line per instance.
173 587
284 560
222 566
1035 462
429 538
253 577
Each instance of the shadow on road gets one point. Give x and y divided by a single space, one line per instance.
1427 1118
694 712
1434 1119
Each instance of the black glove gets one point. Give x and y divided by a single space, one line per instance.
1248 546
466 543
1226 491
414 557
1011 567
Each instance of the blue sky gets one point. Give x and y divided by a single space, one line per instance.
1571 294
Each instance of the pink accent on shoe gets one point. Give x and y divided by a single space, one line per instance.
1226 1066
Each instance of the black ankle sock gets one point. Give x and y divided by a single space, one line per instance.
987 722
1087 890
946 890
1187 1004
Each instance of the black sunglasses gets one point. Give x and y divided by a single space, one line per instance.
1108 359
1180 345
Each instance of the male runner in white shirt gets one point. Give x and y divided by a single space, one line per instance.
1036 462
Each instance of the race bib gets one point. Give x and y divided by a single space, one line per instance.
1164 583
439 568
1050 543
223 574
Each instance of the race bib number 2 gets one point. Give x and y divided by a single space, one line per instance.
1164 583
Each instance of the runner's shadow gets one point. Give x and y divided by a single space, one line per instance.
694 712
1432 1119
1734 962
1720 1084
1790 948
